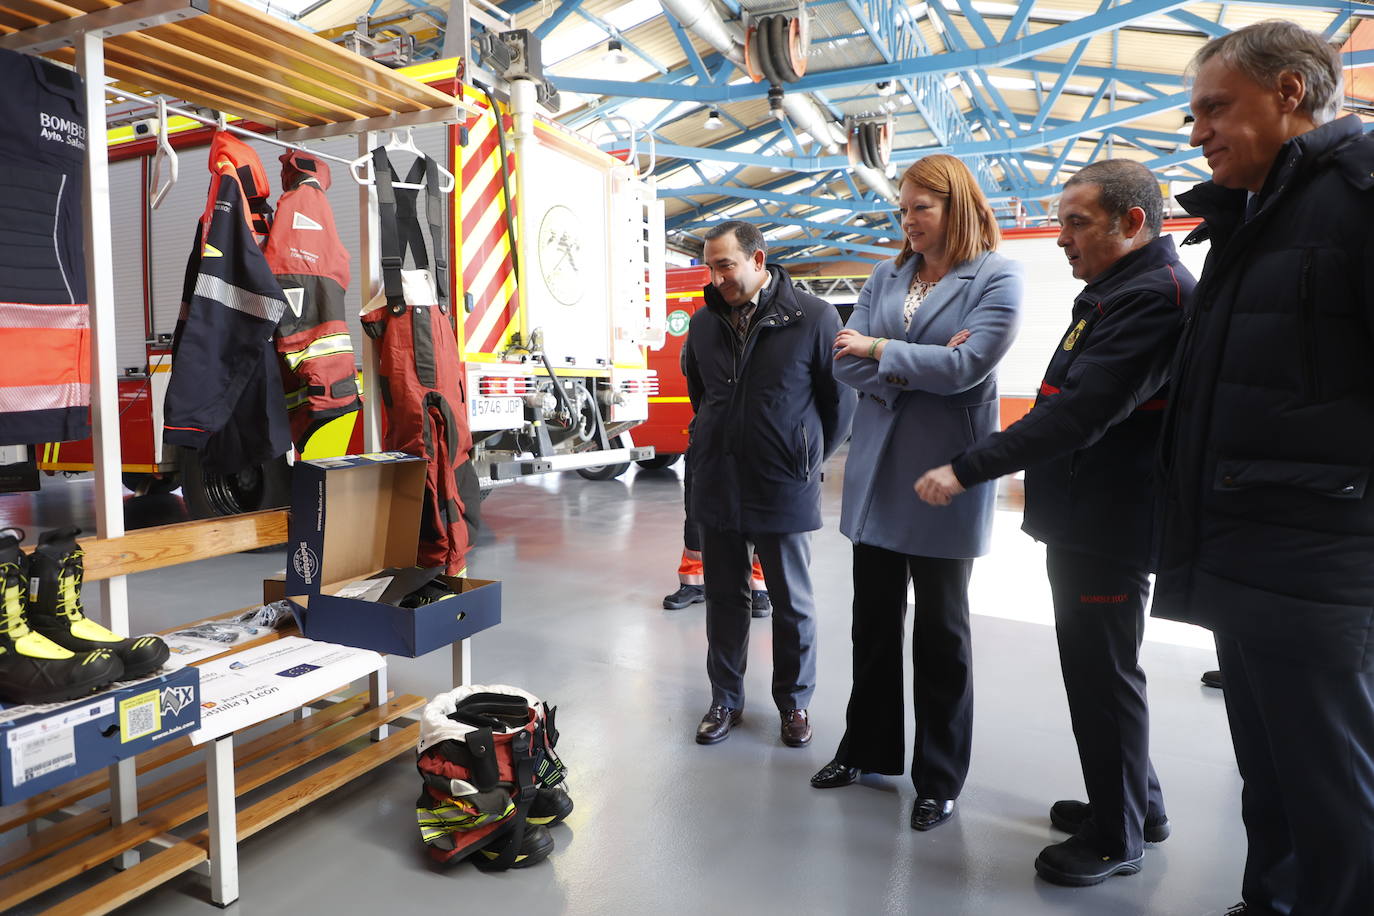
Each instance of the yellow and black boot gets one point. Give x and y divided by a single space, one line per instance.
34 669
55 573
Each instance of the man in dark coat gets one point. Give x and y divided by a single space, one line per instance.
1088 447
768 414
1268 514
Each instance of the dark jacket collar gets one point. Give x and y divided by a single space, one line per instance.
778 294
1157 253
1223 209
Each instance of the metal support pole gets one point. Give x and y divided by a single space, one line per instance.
376 698
224 853
124 804
462 663
109 489
371 275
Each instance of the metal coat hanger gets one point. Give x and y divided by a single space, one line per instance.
401 141
165 153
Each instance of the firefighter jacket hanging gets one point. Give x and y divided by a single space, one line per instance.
311 265
491 777
45 374
420 379
225 394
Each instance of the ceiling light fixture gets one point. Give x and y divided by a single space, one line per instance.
615 55
713 120
886 87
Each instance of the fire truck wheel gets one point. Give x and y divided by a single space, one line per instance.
209 494
607 471
150 484
659 462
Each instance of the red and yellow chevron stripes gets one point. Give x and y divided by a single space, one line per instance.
488 271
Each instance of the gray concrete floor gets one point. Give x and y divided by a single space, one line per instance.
663 825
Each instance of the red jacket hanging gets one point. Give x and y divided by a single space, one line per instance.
311 265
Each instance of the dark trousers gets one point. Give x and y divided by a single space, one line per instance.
942 670
691 532
1099 618
726 558
1304 739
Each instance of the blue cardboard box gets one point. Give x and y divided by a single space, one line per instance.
48 745
351 518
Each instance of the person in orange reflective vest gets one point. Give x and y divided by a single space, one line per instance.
691 582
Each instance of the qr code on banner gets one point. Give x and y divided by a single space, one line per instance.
139 715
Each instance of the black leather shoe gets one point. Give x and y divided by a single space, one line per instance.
716 724
760 605
929 813
1070 816
796 728
1212 679
688 594
833 775
1076 862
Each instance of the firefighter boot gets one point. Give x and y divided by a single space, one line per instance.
535 845
34 669
55 572
550 806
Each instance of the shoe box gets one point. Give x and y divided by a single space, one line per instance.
44 746
352 518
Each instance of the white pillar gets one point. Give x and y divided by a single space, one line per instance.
109 489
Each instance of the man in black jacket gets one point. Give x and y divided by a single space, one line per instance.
768 414
1088 446
1267 533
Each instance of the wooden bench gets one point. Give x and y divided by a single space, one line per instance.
66 839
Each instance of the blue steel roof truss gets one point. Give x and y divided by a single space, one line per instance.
1006 158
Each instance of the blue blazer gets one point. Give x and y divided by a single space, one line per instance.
923 403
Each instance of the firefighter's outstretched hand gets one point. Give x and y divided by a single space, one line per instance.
939 486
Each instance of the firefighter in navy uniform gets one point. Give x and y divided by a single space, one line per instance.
1087 447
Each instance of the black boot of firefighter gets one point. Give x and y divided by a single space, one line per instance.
34 669
535 845
55 571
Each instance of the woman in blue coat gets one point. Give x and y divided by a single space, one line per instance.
921 347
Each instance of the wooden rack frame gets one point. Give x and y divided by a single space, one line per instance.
135 816
223 55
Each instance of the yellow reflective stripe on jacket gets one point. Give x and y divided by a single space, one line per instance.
325 346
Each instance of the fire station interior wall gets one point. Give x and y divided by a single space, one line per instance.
126 217
172 231
1050 291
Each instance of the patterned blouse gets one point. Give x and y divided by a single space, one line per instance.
914 297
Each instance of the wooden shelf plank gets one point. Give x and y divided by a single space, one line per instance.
76 859
184 542
290 800
30 849
163 866
131 883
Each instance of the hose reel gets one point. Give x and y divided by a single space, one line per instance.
870 143
774 49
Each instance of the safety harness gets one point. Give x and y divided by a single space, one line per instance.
484 754
421 377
